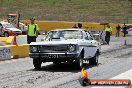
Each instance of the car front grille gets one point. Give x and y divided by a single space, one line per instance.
53 48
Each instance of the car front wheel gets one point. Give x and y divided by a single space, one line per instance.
79 62
37 63
6 34
94 60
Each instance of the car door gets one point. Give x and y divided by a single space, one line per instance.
90 48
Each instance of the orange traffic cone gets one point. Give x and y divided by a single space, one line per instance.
84 73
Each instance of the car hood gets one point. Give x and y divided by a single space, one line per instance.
70 41
14 29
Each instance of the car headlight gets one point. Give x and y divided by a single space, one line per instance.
33 49
71 48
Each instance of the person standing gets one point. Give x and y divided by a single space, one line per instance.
32 31
118 28
124 28
75 26
108 31
79 25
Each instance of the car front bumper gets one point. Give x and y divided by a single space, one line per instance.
50 57
15 33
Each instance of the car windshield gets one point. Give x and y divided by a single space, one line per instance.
8 26
65 34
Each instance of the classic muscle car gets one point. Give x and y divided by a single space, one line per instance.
65 45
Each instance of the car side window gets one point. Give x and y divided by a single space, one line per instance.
89 37
86 37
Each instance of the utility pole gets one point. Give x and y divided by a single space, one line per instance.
18 19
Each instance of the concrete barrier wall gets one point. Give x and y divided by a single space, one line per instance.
3 39
22 39
5 52
20 51
7 40
23 51
50 25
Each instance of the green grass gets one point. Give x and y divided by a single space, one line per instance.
75 10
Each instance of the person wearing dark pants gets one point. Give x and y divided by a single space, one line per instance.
118 28
124 30
108 31
31 39
107 37
79 25
32 31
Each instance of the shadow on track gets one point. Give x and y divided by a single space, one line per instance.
63 67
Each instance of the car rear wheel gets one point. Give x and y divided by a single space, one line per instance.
94 60
37 63
6 34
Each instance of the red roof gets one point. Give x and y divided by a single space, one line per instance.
12 14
